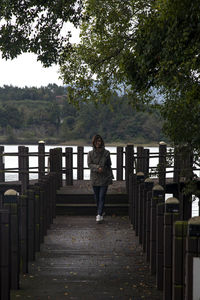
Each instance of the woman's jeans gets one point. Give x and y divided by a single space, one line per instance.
100 195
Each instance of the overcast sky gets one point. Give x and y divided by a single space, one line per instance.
27 71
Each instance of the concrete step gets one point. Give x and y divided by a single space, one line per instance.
89 198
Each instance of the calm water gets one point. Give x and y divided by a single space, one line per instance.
12 162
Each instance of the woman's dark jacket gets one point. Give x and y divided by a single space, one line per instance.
100 159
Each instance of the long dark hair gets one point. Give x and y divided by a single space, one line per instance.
95 138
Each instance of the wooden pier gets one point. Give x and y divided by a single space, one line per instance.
164 228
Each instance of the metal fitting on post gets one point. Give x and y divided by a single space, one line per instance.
194 227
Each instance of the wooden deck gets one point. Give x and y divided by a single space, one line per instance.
82 260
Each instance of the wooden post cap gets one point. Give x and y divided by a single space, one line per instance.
11 193
194 221
41 142
148 180
158 187
172 200
162 143
140 174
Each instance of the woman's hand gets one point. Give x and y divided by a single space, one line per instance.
100 170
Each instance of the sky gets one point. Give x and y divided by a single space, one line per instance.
25 70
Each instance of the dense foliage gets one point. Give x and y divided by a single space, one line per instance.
37 26
46 114
136 46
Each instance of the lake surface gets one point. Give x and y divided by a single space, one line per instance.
12 162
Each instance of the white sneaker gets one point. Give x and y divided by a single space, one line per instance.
99 218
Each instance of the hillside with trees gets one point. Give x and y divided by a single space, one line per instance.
31 114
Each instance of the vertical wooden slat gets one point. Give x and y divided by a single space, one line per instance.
146 162
80 163
139 163
41 159
2 166
119 163
162 164
69 165
129 159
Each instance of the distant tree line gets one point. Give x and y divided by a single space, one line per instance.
48 93
30 114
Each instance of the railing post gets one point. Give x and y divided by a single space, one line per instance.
148 186
56 164
148 224
139 161
80 163
171 215
31 225
69 165
23 233
141 210
11 203
2 166
157 197
139 180
130 196
134 199
192 251
179 253
41 159
37 219
26 150
23 168
129 163
120 163
59 157
53 192
162 164
4 254
146 162
20 161
160 209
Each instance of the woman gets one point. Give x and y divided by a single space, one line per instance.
100 173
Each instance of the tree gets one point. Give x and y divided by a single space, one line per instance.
137 47
136 44
95 66
36 26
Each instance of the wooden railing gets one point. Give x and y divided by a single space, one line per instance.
24 220
166 230
128 160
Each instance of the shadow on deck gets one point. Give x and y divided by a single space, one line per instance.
85 261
